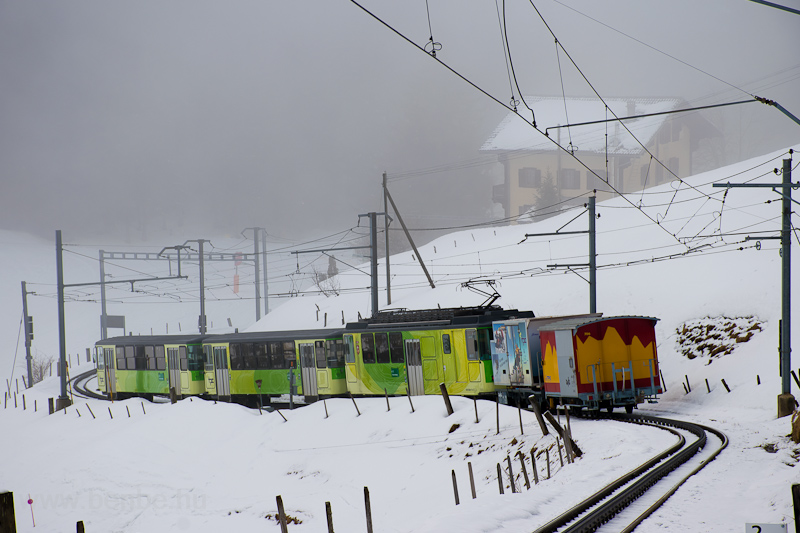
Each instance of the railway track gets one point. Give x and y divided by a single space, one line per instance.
609 503
79 388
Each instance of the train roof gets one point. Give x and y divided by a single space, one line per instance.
267 336
141 340
577 322
437 318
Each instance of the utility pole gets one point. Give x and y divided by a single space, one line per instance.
63 401
202 320
786 401
386 238
266 287
103 309
592 264
257 273
28 320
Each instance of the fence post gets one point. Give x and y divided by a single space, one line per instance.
8 523
329 516
521 429
388 408
446 398
560 457
524 470
726 386
575 449
533 466
538 411
368 508
500 478
281 515
475 400
79 526
547 458
354 403
471 480
511 475
408 393
455 486
498 416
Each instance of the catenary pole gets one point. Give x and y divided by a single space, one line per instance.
257 258
592 258
62 401
28 334
786 279
266 286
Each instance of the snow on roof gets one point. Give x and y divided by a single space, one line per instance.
515 134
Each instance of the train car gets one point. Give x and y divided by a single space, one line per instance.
256 366
150 365
413 352
517 357
596 362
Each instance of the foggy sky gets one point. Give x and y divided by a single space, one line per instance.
214 116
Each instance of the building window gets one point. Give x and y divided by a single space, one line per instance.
530 177
570 178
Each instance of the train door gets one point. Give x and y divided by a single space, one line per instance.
185 378
110 373
449 358
173 364
209 374
566 363
351 368
221 371
431 364
322 367
416 386
308 369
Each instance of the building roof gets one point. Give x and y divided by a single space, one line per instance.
514 134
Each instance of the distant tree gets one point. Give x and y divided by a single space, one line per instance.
547 196
40 366
328 285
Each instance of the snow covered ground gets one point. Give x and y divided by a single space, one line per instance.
201 466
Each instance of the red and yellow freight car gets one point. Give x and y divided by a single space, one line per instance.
600 363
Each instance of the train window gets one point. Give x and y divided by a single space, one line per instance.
368 348
446 343
237 363
396 347
275 351
349 349
382 347
319 349
335 351
184 364
196 357
100 359
471 336
220 357
120 358
248 357
484 346
289 354
161 362
150 356
263 360
130 358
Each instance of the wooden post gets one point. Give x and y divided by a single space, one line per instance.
455 486
388 408
281 515
8 523
446 398
87 406
519 411
15 400
708 387
79 526
500 478
279 412
663 384
325 403
109 413
498 416
24 406
547 458
77 411
143 411
726 386
408 393
560 457
688 386
51 406
533 466
329 516
354 403
538 411
129 411
575 449
524 470
368 508
471 480
758 378
685 389
475 400
511 474
34 406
